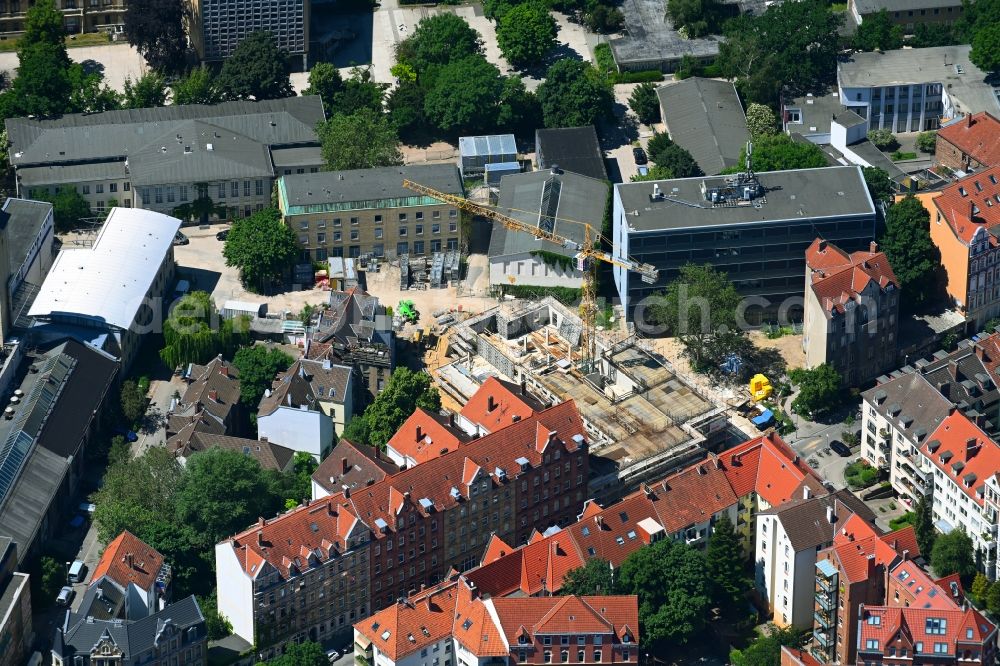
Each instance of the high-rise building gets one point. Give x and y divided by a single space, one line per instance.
216 27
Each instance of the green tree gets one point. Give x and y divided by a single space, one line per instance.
954 553
761 121
90 93
198 87
678 162
137 494
573 94
673 588
780 153
406 107
149 90
695 18
645 104
257 69
993 599
262 247
927 142
526 34
220 493
912 254
120 450
878 33
765 650
882 138
985 53
593 578
301 654
656 172
403 393
325 80
819 389
980 588
43 85
698 308
155 28
602 19
923 525
217 626
519 111
465 96
362 140
359 92
52 576
69 208
133 401
657 145
195 333
726 565
878 183
438 40
258 366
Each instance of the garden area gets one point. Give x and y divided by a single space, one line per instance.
860 474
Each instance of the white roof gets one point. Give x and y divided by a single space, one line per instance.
109 280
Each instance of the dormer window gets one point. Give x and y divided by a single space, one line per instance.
522 639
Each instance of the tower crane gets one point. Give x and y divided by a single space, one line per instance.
588 253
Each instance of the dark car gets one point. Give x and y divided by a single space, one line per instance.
181 239
222 235
640 155
840 447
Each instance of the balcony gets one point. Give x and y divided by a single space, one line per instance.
826 602
823 639
824 584
822 622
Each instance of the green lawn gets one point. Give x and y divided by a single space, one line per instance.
86 39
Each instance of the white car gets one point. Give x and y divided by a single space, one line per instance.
66 595
332 655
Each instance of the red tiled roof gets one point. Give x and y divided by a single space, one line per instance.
964 453
508 406
769 467
978 136
425 436
405 627
955 203
795 657
914 623
495 549
838 277
859 546
552 615
474 627
129 559
926 593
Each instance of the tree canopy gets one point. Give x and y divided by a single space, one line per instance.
819 389
878 183
954 553
526 33
69 208
593 578
779 152
325 80
574 94
519 111
262 247
257 69
403 393
695 18
912 254
761 121
725 565
359 92
195 333
306 653
878 33
645 104
362 140
155 28
149 90
985 53
464 96
923 525
258 366
765 650
437 40
198 87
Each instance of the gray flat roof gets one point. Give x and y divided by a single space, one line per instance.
873 6
26 220
71 174
651 37
579 199
802 194
297 157
31 496
815 113
364 185
705 117
575 149
948 65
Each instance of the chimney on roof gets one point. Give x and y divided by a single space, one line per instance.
130 560
806 493
906 554
822 246
491 404
830 517
972 210
968 120
873 248
979 351
347 492
420 433
224 370
213 395
260 537
344 466
524 387
971 447
451 420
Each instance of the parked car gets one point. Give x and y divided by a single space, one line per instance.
181 239
66 595
222 235
332 655
840 447
77 571
640 155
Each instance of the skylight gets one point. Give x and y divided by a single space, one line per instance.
385 635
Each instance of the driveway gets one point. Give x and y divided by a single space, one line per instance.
115 61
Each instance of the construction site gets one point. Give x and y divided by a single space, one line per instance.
642 418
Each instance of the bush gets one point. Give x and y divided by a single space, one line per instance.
603 59
927 142
651 75
907 518
860 474
899 156
882 138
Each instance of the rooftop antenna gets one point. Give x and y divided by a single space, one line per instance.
749 159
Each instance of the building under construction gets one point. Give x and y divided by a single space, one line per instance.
641 417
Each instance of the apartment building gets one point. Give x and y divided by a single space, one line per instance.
27 235
754 227
165 158
924 635
139 574
496 404
453 623
368 211
16 632
907 13
424 436
963 458
787 541
79 16
210 405
971 143
962 218
350 467
914 90
851 572
851 314
216 27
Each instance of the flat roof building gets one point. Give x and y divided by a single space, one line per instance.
756 230
27 231
652 42
705 118
572 149
216 27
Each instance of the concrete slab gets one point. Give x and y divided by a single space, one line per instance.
115 61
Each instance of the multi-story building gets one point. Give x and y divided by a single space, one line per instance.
166 158
350 467
216 27
368 211
79 16
962 219
896 636
496 404
174 636
914 90
210 405
963 458
787 541
16 633
851 572
306 406
907 13
424 436
756 228
111 293
705 117
851 314
27 232
139 573
453 623
971 143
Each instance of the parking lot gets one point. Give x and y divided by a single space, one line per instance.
115 61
